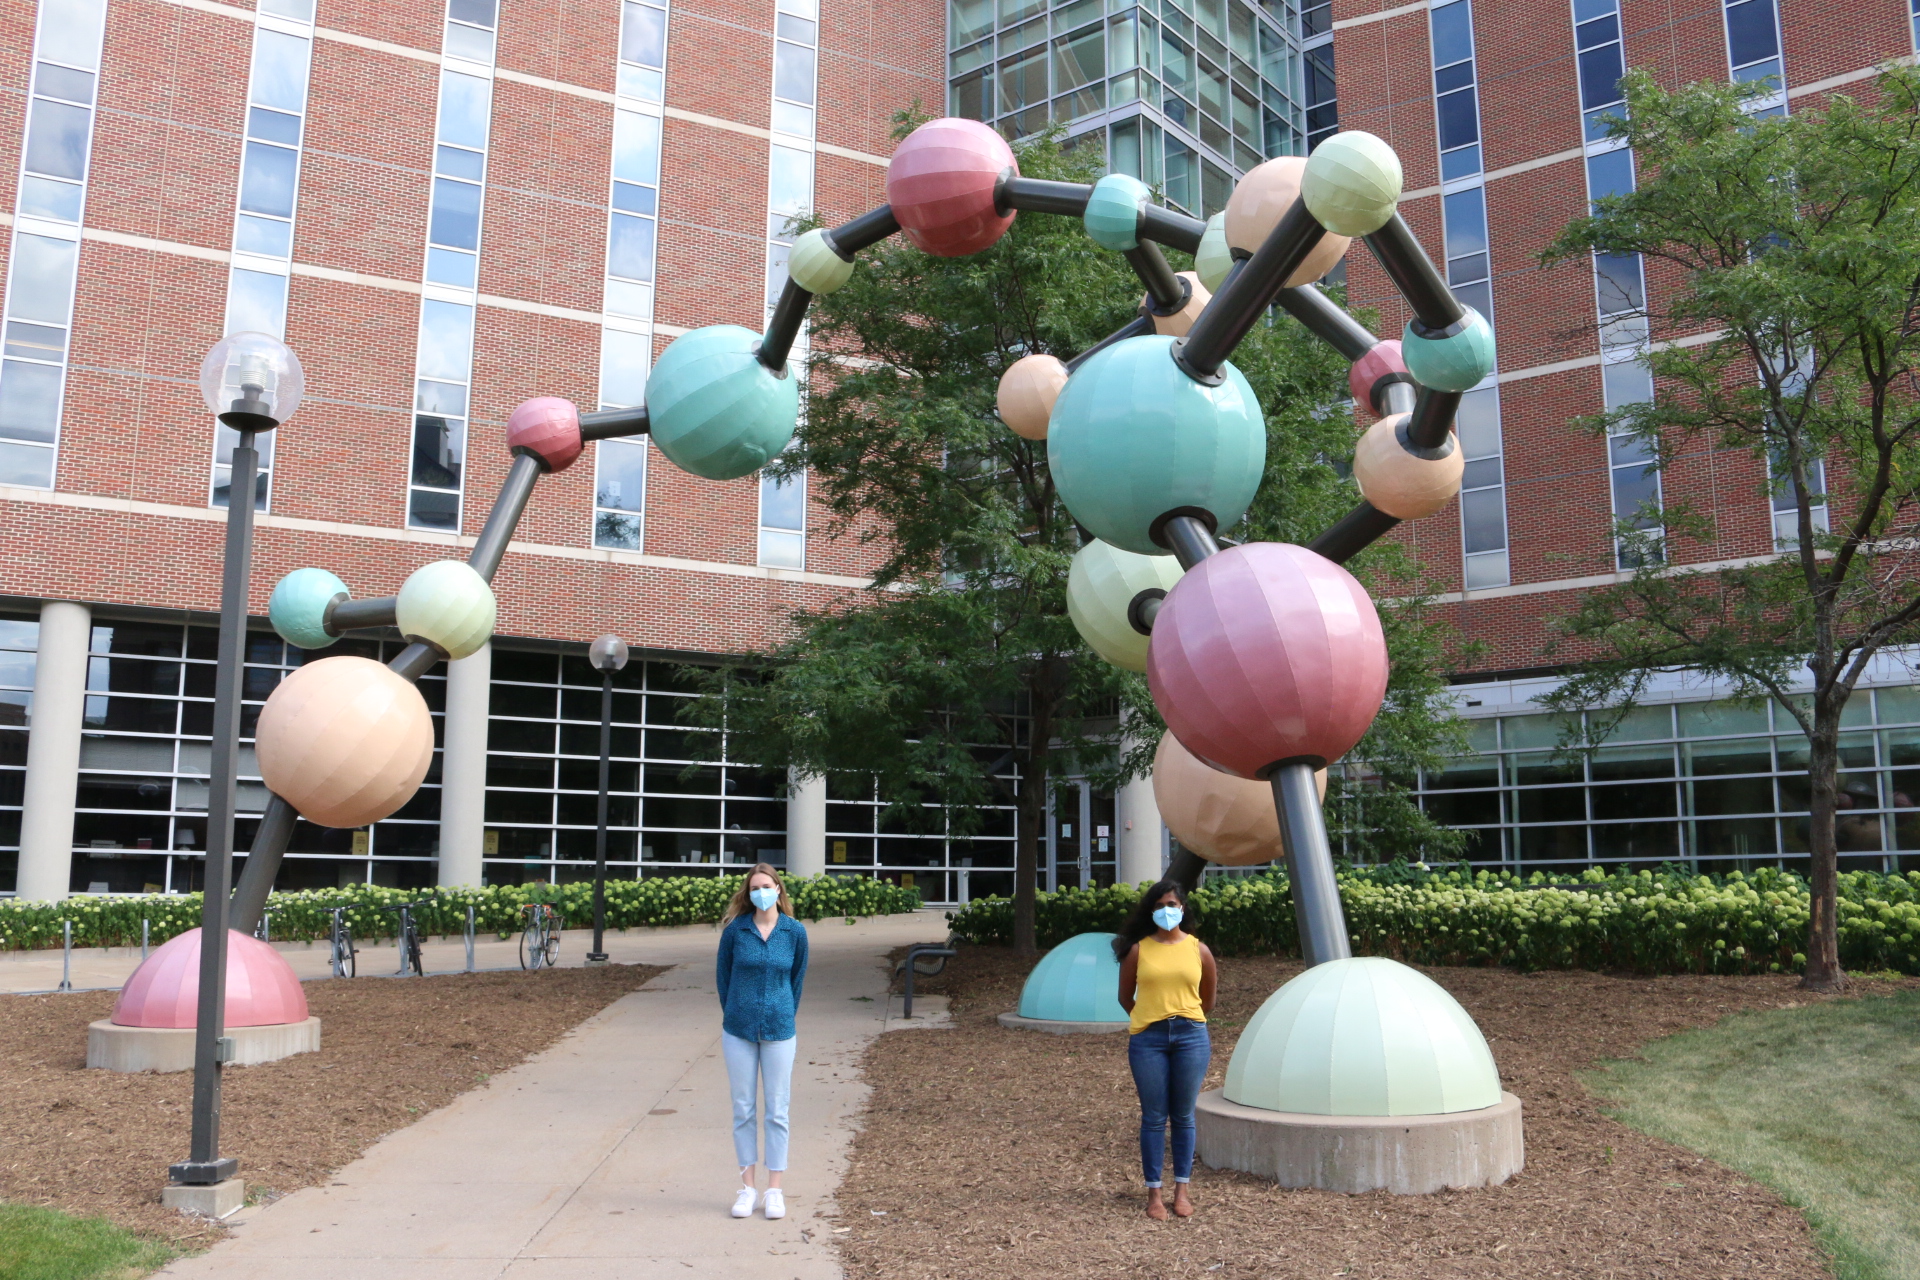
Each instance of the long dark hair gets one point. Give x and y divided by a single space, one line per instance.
1139 921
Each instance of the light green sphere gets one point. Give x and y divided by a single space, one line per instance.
1113 211
1352 183
1133 438
1101 584
298 607
1362 1037
1456 362
814 266
448 604
1077 981
715 410
1213 259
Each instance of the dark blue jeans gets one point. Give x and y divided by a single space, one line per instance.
1169 1061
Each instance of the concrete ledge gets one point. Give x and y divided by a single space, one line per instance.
1057 1027
116 1048
1407 1155
215 1200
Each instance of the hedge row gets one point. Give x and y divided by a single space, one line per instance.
303 916
1650 922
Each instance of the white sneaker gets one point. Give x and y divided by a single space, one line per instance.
743 1203
776 1203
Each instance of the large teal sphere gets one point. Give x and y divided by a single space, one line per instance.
1456 362
1133 438
1077 981
714 409
299 604
1113 211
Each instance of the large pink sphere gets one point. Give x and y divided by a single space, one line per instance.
1267 653
548 428
165 990
940 183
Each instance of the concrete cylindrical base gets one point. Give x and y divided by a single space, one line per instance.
117 1048
1058 1027
1407 1155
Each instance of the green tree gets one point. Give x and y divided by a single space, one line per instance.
1786 251
964 642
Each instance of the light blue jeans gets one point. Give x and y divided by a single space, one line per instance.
769 1063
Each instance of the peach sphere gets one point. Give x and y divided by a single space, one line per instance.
1027 391
1401 483
1226 820
345 741
1182 320
1258 203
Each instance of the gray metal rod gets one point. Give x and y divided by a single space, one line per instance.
1303 837
204 1163
1175 230
1397 397
1353 533
1413 273
613 424
1328 319
869 228
1185 869
1189 538
788 315
1038 195
1245 296
412 662
1168 291
361 615
1134 328
1433 414
599 952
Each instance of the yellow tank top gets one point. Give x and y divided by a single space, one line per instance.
1166 982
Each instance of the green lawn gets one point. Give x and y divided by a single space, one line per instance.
43 1244
1820 1103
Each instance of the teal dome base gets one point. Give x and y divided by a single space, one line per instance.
1362 1037
1133 438
714 409
1077 981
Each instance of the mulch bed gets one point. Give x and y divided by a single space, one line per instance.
988 1152
99 1142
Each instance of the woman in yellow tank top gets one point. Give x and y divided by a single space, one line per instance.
1167 979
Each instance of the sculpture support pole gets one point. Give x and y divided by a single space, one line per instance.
204 1164
412 662
1247 294
1134 328
1303 838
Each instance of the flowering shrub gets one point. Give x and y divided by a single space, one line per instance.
303 916
1650 922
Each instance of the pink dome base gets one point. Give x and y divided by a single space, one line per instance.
165 990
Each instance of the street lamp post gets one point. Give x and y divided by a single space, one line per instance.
253 383
608 655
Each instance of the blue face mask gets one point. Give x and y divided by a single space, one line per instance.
1169 918
765 899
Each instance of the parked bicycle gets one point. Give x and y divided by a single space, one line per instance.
540 940
408 936
340 943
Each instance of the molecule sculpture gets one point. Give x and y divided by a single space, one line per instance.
1267 661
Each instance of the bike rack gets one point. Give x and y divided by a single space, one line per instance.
914 952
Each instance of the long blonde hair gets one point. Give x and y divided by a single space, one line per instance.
740 904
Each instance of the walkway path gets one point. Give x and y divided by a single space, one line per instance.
609 1155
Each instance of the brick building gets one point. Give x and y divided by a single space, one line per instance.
447 210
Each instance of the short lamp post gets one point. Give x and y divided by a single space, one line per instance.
608 655
252 383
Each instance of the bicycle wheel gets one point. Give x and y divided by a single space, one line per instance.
413 954
531 951
343 951
553 944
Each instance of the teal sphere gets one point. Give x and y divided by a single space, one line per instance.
1456 362
1077 981
299 603
1113 212
1132 438
714 409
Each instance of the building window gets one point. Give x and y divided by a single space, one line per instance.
620 494
440 414
1786 503
1323 107
1598 51
1456 102
275 126
1753 44
795 46
19 642
46 236
1469 269
1483 492
783 521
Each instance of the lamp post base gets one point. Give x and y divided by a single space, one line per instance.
209 1200
596 958
200 1173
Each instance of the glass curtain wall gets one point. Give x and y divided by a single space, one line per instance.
1185 94
677 810
1716 784
19 641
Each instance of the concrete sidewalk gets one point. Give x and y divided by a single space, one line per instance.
609 1155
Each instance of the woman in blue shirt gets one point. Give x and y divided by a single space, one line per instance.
760 970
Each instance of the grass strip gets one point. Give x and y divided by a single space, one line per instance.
45 1244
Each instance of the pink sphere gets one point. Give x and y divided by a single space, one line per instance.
548 428
941 181
1367 371
165 990
1267 653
